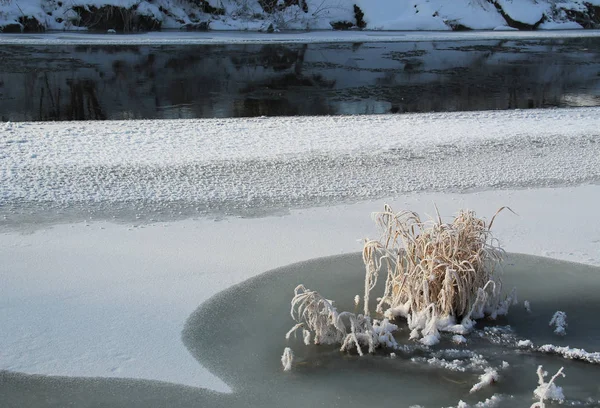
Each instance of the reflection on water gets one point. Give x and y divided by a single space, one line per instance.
132 82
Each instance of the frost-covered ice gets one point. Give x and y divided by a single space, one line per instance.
179 38
99 299
571 353
226 166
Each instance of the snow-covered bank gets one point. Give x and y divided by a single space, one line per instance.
273 15
157 170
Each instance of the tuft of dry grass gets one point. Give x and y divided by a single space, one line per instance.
441 269
317 316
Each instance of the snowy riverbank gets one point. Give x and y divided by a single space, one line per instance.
274 15
83 295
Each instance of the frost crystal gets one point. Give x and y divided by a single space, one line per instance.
489 377
547 390
459 339
287 359
560 321
306 336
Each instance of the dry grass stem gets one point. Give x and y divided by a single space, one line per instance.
435 270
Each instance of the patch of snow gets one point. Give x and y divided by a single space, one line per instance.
525 344
560 25
525 11
527 306
505 28
146 9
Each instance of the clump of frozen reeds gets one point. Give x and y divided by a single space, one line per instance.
547 390
320 320
437 273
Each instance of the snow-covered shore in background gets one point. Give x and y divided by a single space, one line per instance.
110 299
267 15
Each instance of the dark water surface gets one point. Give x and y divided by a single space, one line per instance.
200 81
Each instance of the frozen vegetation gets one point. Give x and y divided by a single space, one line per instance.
441 277
559 319
274 15
548 390
143 280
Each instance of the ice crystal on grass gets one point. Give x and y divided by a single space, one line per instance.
306 336
559 319
547 390
489 377
287 359
317 316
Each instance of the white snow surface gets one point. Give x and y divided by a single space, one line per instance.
110 300
303 37
212 163
525 11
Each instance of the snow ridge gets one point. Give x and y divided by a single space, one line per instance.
244 166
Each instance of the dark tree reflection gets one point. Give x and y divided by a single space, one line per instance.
130 82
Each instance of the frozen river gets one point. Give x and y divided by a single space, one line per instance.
114 233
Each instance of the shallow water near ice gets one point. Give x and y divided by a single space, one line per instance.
239 336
